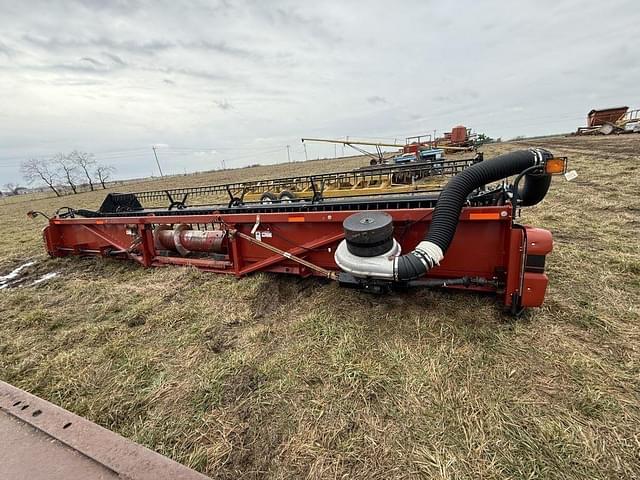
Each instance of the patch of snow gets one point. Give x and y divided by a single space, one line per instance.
15 272
45 277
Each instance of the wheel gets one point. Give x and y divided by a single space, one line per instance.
268 197
287 197
235 202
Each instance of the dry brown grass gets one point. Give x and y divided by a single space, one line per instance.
278 377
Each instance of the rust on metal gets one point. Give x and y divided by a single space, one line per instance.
184 240
597 118
39 440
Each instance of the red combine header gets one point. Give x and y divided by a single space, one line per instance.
462 236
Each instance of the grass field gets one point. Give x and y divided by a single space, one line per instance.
278 377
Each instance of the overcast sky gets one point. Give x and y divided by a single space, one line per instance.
239 80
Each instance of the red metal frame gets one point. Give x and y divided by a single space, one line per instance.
487 244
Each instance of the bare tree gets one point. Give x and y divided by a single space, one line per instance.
40 170
84 161
103 172
68 170
13 188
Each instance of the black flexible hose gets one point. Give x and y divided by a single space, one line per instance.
453 197
534 189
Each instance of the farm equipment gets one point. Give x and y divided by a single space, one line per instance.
413 147
611 120
369 180
459 136
461 236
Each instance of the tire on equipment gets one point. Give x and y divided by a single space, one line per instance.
268 197
287 197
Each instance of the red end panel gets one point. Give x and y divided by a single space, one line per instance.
54 239
47 235
539 244
514 266
539 241
535 286
70 237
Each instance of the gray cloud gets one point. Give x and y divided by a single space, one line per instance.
223 104
115 75
458 96
76 82
6 50
78 67
194 72
376 99
150 47
219 47
118 6
114 58
72 42
290 17
92 61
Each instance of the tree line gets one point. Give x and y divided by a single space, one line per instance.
73 169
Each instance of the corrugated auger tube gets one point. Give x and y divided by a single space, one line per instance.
431 250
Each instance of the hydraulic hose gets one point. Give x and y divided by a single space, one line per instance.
431 250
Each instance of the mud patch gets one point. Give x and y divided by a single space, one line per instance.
136 321
219 339
253 440
241 385
276 293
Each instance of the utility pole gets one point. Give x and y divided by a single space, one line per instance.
335 150
157 161
289 153
305 151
